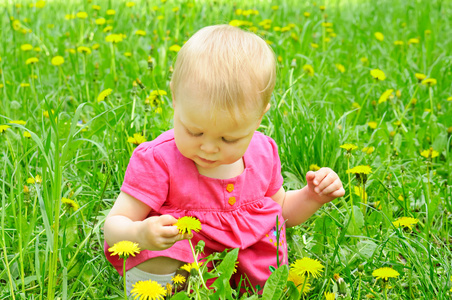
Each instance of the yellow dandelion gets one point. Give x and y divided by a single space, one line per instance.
384 97
114 38
385 273
309 70
24 84
378 74
398 43
314 45
360 170
430 153
57 60
148 290
95 46
3 128
300 282
46 113
100 21
130 4
379 36
329 296
364 60
137 139
140 32
18 122
406 222
108 29
178 279
26 47
70 203
413 41
306 14
111 12
40 4
372 124
104 94
420 76
314 167
27 134
191 266
16 25
174 48
348 147
127 54
340 67
31 60
96 7
83 49
307 267
37 179
124 249
187 224
69 17
275 7
368 150
429 82
82 15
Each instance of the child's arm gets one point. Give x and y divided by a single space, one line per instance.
297 206
127 221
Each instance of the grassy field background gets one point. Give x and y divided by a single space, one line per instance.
68 131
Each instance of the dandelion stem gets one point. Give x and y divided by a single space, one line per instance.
195 257
362 105
113 65
86 78
66 83
350 190
124 278
408 105
133 107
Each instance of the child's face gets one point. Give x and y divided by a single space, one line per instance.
210 139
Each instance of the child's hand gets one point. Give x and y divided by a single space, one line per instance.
325 185
159 233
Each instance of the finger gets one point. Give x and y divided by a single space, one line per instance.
169 231
185 236
309 179
320 175
328 180
338 193
336 185
166 220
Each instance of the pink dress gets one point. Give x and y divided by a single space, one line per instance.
234 213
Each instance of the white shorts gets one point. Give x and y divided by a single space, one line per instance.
134 275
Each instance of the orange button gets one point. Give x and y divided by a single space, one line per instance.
230 187
231 200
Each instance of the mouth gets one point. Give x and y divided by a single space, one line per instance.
206 160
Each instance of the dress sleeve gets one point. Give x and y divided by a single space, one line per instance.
276 177
147 177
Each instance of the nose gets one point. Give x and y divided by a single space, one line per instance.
209 147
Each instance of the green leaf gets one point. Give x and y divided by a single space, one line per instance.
276 283
180 296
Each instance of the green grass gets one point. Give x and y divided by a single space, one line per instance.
49 250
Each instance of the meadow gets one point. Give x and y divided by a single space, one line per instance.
364 88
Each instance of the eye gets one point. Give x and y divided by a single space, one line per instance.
193 134
229 142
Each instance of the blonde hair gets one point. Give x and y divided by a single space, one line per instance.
235 69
